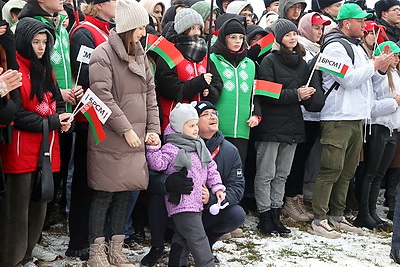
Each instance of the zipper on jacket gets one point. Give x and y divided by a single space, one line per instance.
237 103
18 141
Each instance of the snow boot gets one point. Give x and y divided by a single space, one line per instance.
293 210
278 225
97 254
373 198
265 224
303 207
116 256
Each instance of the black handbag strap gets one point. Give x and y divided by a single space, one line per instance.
44 148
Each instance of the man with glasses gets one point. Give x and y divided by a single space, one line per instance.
292 9
388 15
229 165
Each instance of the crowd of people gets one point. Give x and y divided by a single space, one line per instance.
190 148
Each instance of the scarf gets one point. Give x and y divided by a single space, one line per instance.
188 144
193 48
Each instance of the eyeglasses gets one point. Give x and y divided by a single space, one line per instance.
397 10
209 115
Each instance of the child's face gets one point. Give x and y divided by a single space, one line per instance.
191 128
39 44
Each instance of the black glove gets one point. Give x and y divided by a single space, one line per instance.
253 52
178 183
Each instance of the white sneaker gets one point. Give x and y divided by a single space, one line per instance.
345 226
42 254
29 264
323 229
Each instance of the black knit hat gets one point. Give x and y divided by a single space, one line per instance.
321 4
232 26
267 3
95 2
384 5
203 105
282 27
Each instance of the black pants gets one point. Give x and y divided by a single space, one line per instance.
295 180
81 194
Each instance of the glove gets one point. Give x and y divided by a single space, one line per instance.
253 52
177 184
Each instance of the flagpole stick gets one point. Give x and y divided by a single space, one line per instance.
252 98
154 44
312 72
77 76
209 36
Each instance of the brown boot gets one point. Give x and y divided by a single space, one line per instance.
97 254
300 203
293 210
116 256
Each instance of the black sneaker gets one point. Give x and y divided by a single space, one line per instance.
82 254
152 257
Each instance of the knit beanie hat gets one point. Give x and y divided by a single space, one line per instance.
384 5
267 3
321 4
282 27
200 106
180 115
203 8
232 26
185 19
129 15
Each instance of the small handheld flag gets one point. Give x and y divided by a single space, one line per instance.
267 88
331 65
94 122
164 49
265 43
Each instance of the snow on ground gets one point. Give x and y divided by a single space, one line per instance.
300 249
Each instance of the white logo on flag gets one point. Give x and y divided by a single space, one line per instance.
84 54
103 112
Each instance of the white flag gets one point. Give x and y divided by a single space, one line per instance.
84 54
103 112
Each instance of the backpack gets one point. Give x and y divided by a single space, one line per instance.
317 76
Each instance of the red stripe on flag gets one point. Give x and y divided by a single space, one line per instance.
95 124
344 69
166 46
265 41
268 86
215 33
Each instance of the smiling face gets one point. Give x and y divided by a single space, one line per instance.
191 128
39 42
208 123
234 41
138 33
290 40
317 31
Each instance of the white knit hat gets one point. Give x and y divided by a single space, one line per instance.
130 15
185 19
181 114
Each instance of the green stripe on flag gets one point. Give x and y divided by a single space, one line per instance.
265 49
91 123
165 56
341 75
267 93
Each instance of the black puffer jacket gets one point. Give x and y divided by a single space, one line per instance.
393 32
282 119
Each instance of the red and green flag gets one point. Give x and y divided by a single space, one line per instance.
265 43
164 49
267 88
94 122
331 65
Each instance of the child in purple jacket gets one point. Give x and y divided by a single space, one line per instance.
185 149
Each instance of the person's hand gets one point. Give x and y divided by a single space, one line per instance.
382 61
253 121
68 96
253 52
207 77
3 29
65 124
206 92
152 139
11 79
205 194
220 195
179 183
131 138
78 93
305 92
397 98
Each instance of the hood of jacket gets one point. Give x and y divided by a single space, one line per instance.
150 4
285 4
252 30
236 7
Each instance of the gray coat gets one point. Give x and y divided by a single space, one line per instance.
125 84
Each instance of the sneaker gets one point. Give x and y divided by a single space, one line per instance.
345 226
29 264
152 257
225 236
237 233
293 210
82 254
323 229
42 254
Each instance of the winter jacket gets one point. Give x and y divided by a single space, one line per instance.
385 110
60 56
124 83
352 100
284 5
229 165
162 159
393 32
282 119
21 156
91 33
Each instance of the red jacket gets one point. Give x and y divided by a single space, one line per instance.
21 156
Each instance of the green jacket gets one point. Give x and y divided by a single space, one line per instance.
234 104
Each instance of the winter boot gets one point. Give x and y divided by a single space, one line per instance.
373 198
293 210
364 218
153 256
265 224
116 256
278 225
97 254
300 203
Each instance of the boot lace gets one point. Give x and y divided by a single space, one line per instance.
101 254
116 253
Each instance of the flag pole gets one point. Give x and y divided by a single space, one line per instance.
312 72
209 35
